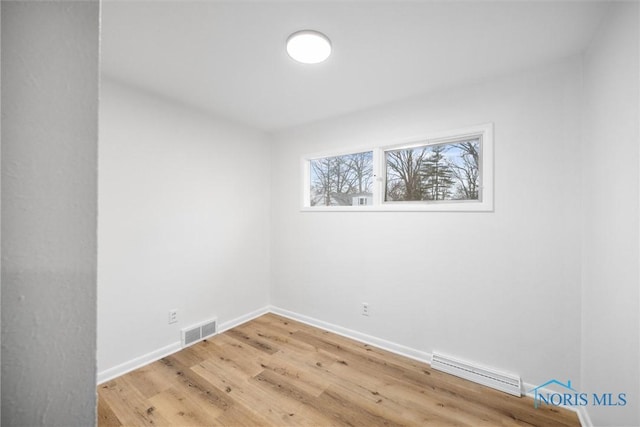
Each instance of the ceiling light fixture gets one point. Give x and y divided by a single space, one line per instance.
308 46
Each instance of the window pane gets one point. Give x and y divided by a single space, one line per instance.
342 180
434 172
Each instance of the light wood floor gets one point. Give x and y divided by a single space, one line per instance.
274 371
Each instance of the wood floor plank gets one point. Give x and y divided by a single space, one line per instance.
149 380
190 356
199 390
106 416
129 406
229 351
274 336
252 399
273 371
179 410
238 416
307 407
439 406
345 412
253 342
307 376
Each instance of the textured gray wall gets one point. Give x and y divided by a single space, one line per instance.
49 107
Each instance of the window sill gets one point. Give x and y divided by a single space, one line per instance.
406 207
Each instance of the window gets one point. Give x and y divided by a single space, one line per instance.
436 172
451 171
341 180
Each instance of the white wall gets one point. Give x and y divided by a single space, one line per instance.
49 211
498 288
184 222
610 321
0 211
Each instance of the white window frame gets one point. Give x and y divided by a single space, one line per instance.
485 204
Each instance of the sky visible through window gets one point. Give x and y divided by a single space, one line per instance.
448 171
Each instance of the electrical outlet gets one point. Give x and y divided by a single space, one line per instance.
173 316
364 309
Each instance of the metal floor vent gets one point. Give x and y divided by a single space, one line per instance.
193 334
499 380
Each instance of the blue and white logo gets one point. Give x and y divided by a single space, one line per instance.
568 396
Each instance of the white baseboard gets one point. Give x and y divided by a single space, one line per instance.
138 362
583 416
400 349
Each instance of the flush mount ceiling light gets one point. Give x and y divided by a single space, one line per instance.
308 46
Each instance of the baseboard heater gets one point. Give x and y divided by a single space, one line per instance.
499 380
195 333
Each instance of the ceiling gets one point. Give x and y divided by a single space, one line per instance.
228 57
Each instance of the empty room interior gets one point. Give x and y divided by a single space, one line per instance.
428 216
